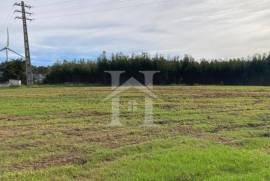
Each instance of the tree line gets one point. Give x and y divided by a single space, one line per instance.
15 69
249 71
186 70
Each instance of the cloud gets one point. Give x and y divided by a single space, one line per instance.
202 28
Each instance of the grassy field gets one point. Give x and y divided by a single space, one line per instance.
200 133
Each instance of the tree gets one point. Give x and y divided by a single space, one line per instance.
14 70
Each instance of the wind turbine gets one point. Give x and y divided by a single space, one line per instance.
7 49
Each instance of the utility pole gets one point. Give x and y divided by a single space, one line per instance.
24 18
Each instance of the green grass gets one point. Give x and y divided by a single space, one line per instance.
200 133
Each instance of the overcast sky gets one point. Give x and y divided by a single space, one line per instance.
75 29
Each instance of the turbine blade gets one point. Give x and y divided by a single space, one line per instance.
6 55
2 49
15 52
7 38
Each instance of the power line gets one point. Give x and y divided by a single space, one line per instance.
97 11
8 17
71 7
69 1
53 3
